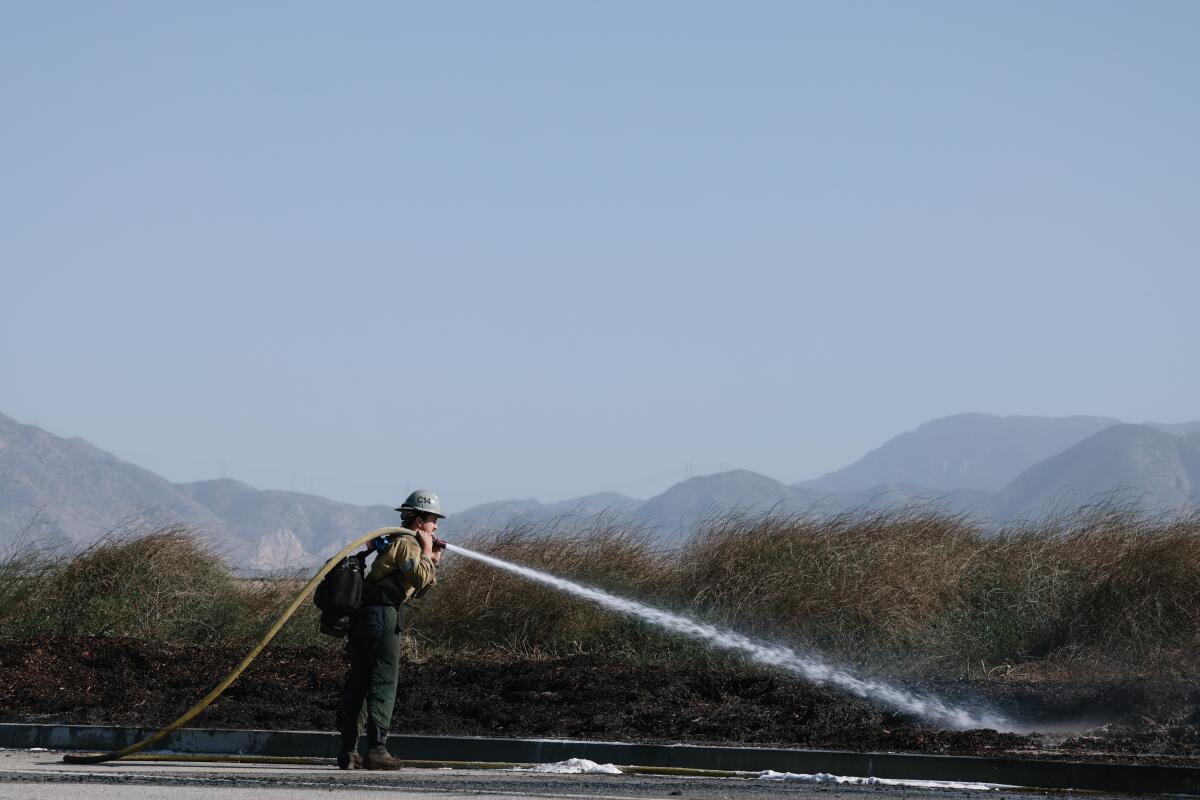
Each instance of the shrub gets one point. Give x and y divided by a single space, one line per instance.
168 583
479 606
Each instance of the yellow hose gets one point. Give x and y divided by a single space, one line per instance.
97 758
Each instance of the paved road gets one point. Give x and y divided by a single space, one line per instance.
42 776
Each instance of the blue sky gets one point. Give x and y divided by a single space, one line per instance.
544 249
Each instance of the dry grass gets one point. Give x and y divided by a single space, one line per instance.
848 584
913 591
480 607
165 583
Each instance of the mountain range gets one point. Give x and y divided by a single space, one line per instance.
993 468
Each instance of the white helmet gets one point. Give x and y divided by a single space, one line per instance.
423 501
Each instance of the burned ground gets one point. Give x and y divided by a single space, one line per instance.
126 681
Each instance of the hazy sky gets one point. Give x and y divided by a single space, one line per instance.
543 249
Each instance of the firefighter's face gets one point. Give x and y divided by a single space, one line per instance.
426 523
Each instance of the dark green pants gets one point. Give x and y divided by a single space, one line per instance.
374 649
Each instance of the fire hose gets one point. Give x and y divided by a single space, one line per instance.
187 716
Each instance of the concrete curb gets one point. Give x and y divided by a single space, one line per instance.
1017 772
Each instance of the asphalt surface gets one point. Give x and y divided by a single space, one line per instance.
26 775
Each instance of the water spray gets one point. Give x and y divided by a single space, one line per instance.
809 667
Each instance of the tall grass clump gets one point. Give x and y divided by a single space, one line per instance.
23 565
479 607
862 585
1102 584
167 583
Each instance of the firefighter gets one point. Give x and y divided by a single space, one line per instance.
405 567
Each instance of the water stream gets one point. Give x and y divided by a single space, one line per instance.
809 667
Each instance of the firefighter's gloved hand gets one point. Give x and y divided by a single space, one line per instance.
426 540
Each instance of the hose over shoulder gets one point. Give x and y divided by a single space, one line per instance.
98 758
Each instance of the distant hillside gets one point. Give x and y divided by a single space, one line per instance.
975 502
965 451
76 492
286 529
674 512
1142 463
529 510
1181 428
